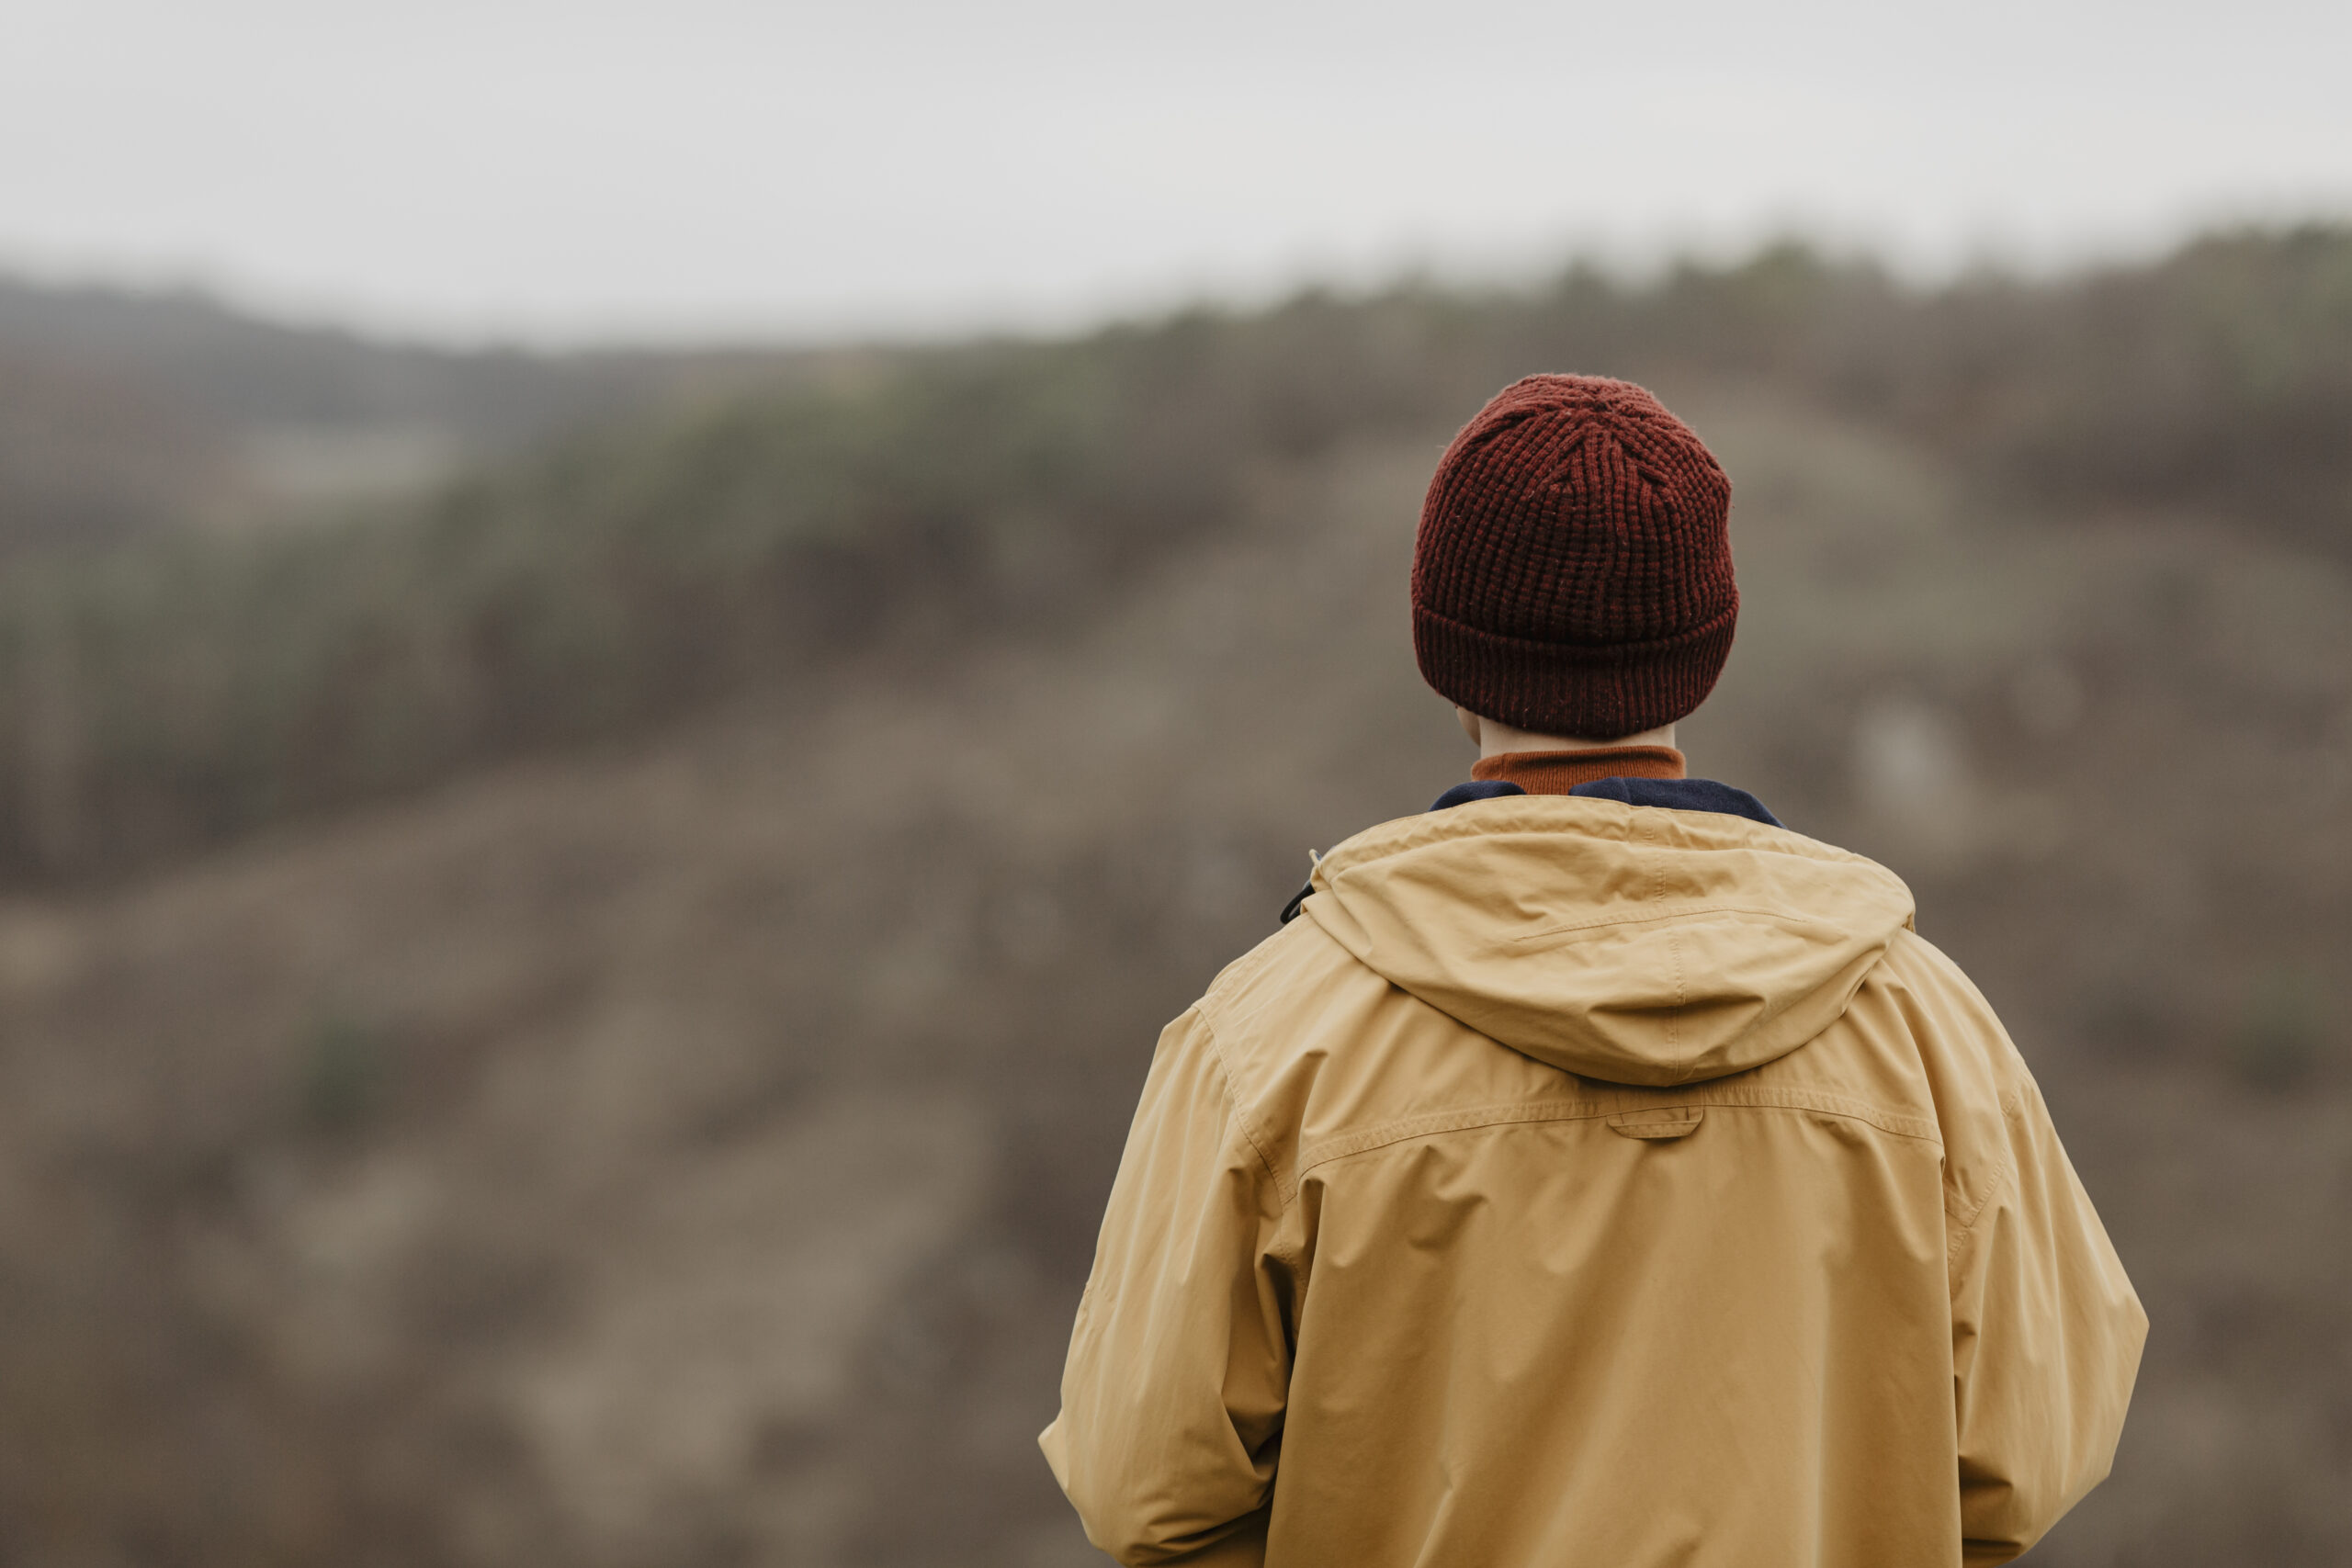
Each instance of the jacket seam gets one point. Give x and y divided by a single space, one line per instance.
1347 1144
1240 1113
1680 912
2014 1100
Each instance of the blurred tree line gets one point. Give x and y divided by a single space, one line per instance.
178 689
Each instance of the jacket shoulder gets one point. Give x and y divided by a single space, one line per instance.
1955 1020
1977 1077
1257 1004
1309 1040
1320 1051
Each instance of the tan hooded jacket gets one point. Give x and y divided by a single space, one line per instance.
1593 1184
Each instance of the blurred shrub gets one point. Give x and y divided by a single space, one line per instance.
182 691
2284 1037
344 1066
2220 379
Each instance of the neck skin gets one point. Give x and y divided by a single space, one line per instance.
1495 738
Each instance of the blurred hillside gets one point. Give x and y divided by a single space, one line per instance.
126 414
586 1015
184 689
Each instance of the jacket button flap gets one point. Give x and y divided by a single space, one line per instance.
1665 1121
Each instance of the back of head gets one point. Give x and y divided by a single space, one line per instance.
1573 575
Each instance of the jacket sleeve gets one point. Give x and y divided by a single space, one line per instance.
2046 1338
1179 1366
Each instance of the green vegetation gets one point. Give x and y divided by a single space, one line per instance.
344 1070
182 691
2284 1037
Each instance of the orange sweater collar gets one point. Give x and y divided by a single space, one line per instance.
1558 772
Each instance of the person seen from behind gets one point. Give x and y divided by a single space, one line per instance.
1591 1170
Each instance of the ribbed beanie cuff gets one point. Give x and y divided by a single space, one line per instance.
1552 688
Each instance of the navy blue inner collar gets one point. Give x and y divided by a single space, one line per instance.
1675 794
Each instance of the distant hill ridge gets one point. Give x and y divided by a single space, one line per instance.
236 368
124 413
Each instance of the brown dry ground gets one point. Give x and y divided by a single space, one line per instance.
690 1155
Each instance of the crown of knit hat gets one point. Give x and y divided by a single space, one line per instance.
1572 574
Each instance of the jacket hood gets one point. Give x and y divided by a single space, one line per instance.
1632 944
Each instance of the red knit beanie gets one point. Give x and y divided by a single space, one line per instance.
1573 575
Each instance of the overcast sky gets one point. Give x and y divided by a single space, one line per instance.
570 169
